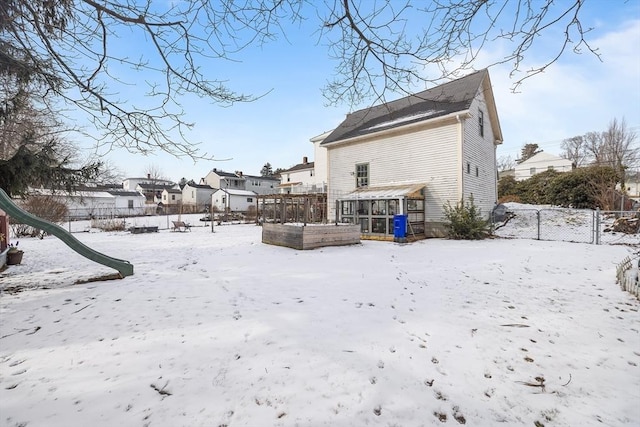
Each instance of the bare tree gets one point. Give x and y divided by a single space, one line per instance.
575 149
505 163
70 48
154 173
620 148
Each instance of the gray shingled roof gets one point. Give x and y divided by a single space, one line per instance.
205 186
299 166
226 174
125 193
441 100
260 177
148 186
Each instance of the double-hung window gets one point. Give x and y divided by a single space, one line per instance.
362 174
481 122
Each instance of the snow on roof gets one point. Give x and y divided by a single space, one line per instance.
401 120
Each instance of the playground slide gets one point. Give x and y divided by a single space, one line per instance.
124 267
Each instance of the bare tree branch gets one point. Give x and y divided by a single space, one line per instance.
79 51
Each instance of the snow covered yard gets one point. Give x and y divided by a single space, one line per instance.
221 330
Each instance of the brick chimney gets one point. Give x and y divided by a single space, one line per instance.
305 160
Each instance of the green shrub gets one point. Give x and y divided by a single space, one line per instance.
465 221
507 186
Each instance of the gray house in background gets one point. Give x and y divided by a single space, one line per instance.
196 197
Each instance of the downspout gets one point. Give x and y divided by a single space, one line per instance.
460 159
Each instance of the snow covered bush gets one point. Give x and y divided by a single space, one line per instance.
465 221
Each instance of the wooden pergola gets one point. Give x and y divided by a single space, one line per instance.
293 208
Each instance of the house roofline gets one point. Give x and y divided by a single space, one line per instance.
491 103
409 126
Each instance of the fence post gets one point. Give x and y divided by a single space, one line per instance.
597 227
538 217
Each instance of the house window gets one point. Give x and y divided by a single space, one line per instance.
311 172
250 199
468 167
224 199
130 204
192 195
288 178
532 171
550 168
362 175
173 197
477 171
481 122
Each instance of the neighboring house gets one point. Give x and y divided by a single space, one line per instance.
231 200
196 197
541 162
221 179
81 204
307 177
132 183
129 203
153 191
298 179
92 202
320 161
171 199
261 184
414 155
632 184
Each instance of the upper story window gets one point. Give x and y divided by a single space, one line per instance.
477 171
362 174
468 167
130 204
532 171
481 122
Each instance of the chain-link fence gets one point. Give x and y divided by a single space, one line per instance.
568 225
122 219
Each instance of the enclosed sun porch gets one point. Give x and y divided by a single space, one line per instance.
377 210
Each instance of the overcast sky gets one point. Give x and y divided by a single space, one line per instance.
576 95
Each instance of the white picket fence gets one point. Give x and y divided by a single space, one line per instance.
627 277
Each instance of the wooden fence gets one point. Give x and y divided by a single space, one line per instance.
627 277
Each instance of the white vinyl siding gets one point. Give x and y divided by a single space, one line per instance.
479 152
428 156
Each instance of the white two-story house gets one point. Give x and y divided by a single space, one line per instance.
413 155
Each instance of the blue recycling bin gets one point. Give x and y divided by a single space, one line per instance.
399 226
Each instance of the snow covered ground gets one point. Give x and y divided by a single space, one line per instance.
218 329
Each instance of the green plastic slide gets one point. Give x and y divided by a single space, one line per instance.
124 267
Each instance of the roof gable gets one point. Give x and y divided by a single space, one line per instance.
542 157
447 98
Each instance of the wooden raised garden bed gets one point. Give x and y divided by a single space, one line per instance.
310 236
